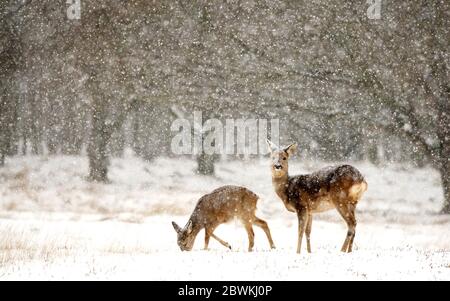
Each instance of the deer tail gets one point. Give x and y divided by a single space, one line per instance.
357 189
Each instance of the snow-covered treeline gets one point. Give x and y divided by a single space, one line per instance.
343 84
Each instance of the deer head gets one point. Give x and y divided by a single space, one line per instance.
185 236
279 158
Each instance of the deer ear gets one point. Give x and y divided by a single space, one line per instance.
176 227
189 227
272 147
290 150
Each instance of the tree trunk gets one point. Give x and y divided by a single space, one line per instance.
8 119
4 141
440 72
373 152
444 151
98 162
205 164
98 159
445 177
100 136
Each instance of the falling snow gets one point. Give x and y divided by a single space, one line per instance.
89 95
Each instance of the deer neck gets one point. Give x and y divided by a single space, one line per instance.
280 185
197 226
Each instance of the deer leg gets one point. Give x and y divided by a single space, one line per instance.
263 225
351 224
207 236
302 219
224 243
351 208
308 232
251 236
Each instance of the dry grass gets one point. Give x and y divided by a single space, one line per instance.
20 180
171 209
20 244
46 241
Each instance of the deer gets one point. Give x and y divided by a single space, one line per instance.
339 187
218 207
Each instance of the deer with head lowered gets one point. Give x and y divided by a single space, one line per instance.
339 187
218 207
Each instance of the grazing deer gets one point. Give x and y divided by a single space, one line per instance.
218 207
339 187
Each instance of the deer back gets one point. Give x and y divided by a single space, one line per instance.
324 189
225 203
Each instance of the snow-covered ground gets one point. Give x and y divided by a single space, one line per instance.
56 225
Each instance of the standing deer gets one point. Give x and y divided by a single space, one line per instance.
339 187
218 207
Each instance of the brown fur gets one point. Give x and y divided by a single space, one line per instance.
218 207
339 187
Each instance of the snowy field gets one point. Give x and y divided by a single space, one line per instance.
56 225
